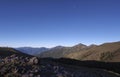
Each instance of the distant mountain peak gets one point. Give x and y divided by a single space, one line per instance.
58 47
80 45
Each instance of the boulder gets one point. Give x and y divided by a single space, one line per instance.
34 60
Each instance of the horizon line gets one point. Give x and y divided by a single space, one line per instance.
57 45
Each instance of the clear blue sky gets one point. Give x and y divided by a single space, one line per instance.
49 23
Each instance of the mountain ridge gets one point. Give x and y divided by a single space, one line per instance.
7 51
104 52
32 50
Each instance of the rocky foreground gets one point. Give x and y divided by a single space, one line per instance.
19 66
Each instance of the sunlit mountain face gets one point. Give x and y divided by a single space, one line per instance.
105 52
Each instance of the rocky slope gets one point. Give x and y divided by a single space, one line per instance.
14 66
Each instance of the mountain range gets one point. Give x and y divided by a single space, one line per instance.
31 50
105 52
77 61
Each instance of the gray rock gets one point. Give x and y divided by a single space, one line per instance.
34 60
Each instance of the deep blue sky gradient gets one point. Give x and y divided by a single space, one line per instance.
58 22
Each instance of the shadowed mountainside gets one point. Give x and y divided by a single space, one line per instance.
86 68
5 51
109 66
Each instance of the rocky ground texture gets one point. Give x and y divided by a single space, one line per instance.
19 66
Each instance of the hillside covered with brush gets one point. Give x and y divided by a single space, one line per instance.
105 52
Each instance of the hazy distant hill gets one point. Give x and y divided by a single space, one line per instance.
5 51
55 52
60 51
31 50
104 52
